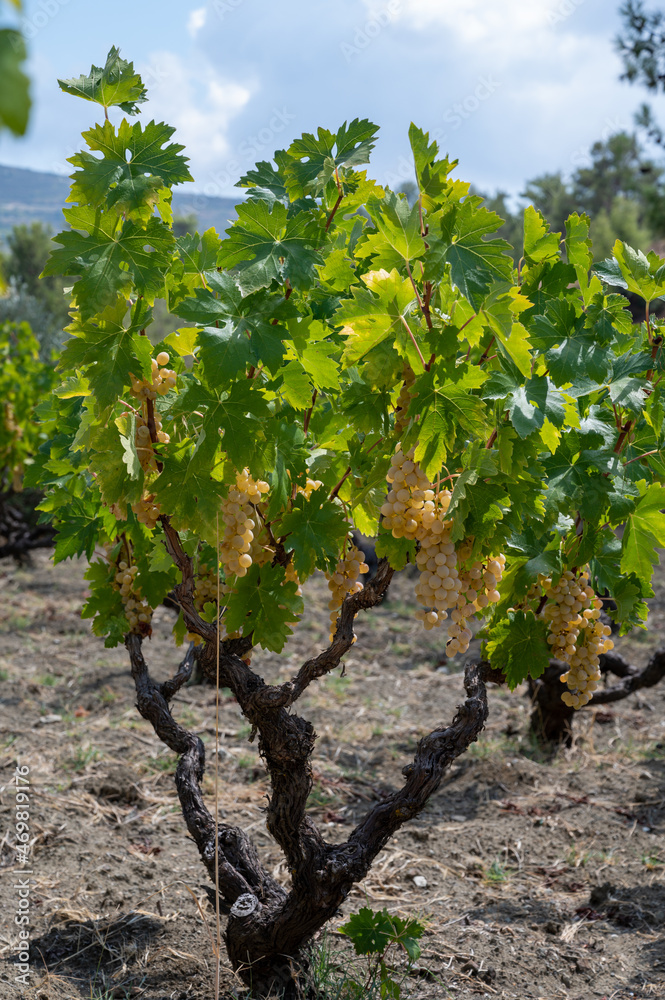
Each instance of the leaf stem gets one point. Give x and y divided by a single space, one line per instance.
424 310
337 488
308 415
338 202
415 343
645 455
487 349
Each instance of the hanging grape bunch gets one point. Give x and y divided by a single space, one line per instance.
344 581
414 509
576 633
240 517
137 609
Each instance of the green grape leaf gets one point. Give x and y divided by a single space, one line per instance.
431 174
632 270
396 239
136 163
108 351
398 551
104 605
579 249
116 84
185 492
571 348
79 526
109 260
15 100
372 931
445 409
264 604
517 645
375 313
476 261
251 317
313 530
265 245
539 243
644 534
225 352
315 158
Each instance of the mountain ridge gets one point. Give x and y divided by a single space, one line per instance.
37 196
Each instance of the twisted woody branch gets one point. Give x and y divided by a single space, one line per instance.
267 922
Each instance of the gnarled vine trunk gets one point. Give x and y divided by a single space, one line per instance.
551 720
268 926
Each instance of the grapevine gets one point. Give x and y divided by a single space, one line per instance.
332 321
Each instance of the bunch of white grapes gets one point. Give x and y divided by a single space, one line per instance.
415 510
147 511
410 504
240 521
144 448
137 610
344 581
162 379
576 633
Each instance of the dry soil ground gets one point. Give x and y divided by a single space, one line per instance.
544 877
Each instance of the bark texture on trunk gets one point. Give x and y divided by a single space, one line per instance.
268 926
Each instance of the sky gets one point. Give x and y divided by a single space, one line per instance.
511 88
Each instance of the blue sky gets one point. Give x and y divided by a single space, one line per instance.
513 88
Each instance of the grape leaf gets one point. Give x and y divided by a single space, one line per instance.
539 243
397 237
374 314
315 158
517 645
115 84
264 245
108 261
108 351
264 604
136 161
313 530
644 533
631 269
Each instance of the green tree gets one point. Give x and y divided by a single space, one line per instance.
39 301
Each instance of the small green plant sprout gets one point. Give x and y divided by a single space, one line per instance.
373 933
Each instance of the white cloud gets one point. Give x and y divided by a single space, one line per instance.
201 103
196 21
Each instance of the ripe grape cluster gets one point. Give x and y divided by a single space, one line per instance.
162 379
448 580
344 581
147 511
576 633
137 609
240 522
